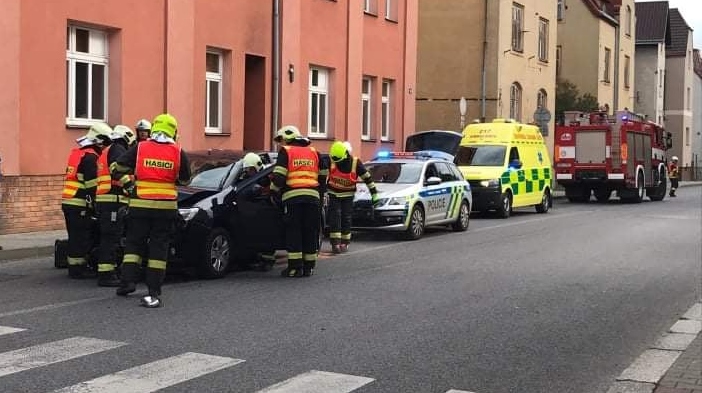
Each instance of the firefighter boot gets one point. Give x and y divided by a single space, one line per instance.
108 279
293 270
80 272
129 276
154 280
308 268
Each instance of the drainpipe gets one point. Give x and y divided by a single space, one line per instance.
615 104
165 56
275 104
483 72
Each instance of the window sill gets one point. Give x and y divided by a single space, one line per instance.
217 133
543 61
319 138
387 141
370 13
368 140
81 123
395 21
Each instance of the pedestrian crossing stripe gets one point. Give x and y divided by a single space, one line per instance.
156 375
53 352
319 382
9 330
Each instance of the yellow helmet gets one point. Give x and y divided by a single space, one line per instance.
252 160
287 133
338 151
166 124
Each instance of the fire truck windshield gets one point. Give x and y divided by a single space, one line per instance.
481 155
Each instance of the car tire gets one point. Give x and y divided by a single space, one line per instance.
463 220
505 209
415 228
61 254
216 256
545 202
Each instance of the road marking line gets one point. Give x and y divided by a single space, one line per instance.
52 306
53 352
319 382
9 330
458 391
154 376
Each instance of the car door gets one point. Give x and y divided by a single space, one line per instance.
435 196
451 185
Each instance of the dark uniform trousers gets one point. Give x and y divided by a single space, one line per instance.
302 234
111 232
340 214
150 233
79 225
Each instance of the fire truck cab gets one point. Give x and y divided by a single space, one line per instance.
597 153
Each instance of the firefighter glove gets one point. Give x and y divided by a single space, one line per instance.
375 199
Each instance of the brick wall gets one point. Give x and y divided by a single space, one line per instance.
30 203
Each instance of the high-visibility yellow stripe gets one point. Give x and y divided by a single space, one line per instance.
76 261
156 264
155 192
74 202
111 198
131 258
345 236
294 255
324 172
300 192
153 204
74 184
105 267
302 182
296 174
154 184
280 170
309 257
335 235
344 194
91 183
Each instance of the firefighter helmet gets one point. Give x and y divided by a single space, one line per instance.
349 148
123 132
143 125
252 160
287 133
674 158
97 134
166 124
338 151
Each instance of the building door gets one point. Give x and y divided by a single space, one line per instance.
255 103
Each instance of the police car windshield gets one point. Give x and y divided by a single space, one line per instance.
481 155
395 172
210 178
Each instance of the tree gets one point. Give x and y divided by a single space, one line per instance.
568 98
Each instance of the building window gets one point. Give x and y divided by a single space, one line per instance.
687 136
386 110
87 60
607 59
391 10
515 102
370 7
559 60
541 99
688 105
213 90
517 27
628 22
543 39
560 12
366 108
627 72
319 97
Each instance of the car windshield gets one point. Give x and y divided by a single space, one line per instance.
395 172
210 178
481 155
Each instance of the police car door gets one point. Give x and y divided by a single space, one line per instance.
435 196
453 190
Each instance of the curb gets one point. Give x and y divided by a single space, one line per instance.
25 253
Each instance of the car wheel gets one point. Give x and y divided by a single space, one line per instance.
61 254
216 256
463 220
415 229
545 202
505 209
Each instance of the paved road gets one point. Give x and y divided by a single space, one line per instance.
561 302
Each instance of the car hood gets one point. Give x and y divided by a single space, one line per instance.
188 196
385 190
481 172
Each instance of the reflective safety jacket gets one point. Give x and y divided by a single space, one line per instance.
156 172
344 175
76 185
108 189
302 172
672 171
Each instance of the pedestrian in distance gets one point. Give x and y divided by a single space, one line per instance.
674 175
158 165
344 174
299 177
78 198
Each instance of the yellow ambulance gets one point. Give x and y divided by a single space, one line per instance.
507 165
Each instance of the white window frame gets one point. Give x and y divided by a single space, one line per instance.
321 91
99 40
517 27
607 65
560 11
543 39
386 110
366 102
216 77
515 101
391 10
627 72
542 98
370 7
628 22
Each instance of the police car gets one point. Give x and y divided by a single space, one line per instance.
416 190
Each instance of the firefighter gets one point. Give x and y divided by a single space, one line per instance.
157 164
79 187
344 173
143 129
674 175
300 178
109 200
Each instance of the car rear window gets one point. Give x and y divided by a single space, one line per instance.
395 172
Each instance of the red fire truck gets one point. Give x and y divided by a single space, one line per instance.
597 154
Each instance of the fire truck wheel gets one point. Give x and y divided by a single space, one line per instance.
658 193
545 202
603 196
505 209
640 190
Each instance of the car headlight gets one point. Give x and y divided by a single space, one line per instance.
490 183
188 213
397 201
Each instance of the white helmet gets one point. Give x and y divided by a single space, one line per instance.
287 133
97 134
674 158
348 146
252 160
143 125
123 132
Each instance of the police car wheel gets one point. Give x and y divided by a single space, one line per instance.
216 258
415 229
463 220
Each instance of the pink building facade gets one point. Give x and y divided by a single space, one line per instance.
231 71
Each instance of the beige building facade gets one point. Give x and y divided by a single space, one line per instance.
596 49
499 55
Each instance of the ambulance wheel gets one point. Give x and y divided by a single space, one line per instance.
461 224
505 209
216 257
602 196
545 202
415 229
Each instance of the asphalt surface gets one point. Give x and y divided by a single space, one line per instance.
561 302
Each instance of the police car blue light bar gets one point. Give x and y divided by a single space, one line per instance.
423 154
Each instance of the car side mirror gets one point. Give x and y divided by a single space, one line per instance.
432 181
